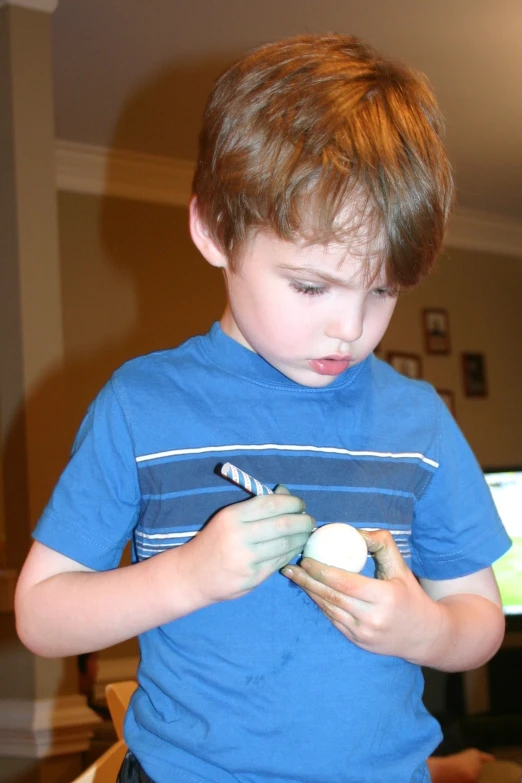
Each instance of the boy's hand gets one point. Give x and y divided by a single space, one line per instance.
245 543
390 614
462 767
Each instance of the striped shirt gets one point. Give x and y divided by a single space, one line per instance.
264 689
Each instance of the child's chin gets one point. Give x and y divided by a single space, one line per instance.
314 380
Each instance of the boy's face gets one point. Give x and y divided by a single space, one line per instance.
307 310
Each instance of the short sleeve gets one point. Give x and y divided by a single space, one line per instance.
456 527
95 505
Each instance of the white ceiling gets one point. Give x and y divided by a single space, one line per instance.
134 74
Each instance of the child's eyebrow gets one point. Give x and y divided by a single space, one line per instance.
325 276
306 270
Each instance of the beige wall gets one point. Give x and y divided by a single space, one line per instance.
482 295
132 282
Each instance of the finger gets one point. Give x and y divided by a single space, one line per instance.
278 527
266 506
333 585
345 582
363 591
284 549
345 612
343 619
282 490
271 565
389 562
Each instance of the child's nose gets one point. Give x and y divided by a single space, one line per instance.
347 325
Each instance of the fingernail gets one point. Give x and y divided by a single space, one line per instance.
287 571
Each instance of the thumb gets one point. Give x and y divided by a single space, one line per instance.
389 562
282 490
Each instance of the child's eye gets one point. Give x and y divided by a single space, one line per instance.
385 292
307 288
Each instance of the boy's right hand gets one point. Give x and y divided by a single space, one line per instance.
243 544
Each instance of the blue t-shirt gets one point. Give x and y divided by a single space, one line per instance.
264 689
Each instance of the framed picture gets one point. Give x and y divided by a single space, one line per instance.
436 331
474 375
448 397
408 364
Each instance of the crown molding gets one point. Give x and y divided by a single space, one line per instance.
82 168
485 232
45 727
47 6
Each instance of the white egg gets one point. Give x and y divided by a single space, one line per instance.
338 545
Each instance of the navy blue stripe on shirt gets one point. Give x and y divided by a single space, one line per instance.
181 474
182 490
372 508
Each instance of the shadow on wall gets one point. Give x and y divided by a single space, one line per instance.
175 293
142 248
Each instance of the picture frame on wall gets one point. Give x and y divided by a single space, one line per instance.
449 398
436 330
474 375
408 364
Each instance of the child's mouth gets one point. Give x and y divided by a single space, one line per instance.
330 365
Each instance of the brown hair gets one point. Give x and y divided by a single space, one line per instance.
299 133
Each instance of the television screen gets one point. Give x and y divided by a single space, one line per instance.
506 488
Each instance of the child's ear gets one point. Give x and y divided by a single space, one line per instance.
202 239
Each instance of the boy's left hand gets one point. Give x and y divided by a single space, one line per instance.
390 614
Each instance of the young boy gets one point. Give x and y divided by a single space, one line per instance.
322 190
